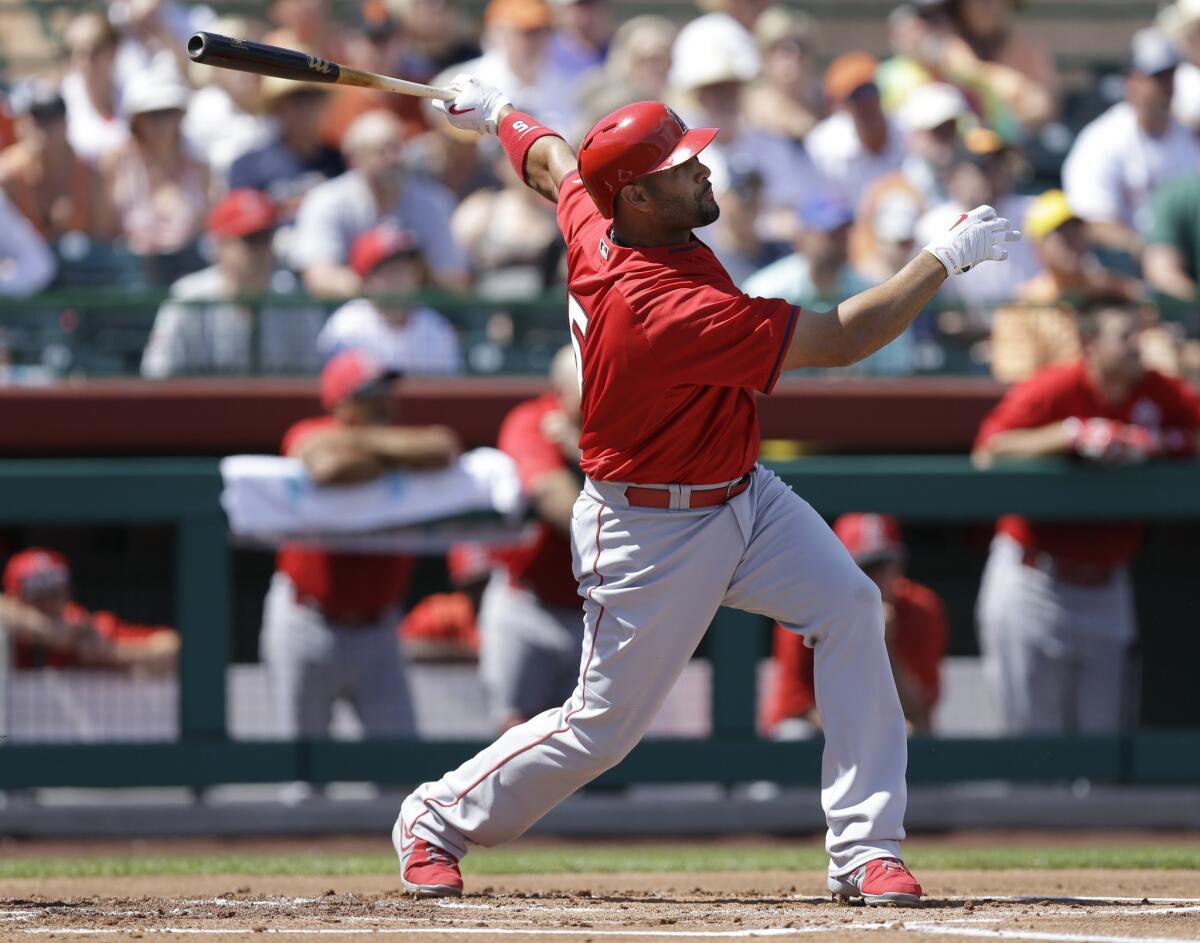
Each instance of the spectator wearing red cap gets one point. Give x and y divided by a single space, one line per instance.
407 338
915 628
53 631
213 323
857 143
329 622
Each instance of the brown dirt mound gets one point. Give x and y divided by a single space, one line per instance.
1068 906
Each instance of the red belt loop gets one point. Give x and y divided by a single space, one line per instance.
639 497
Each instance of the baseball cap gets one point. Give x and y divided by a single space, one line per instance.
37 97
870 538
931 105
520 14
241 213
823 214
153 91
1047 213
847 73
352 373
1177 18
380 244
1151 52
35 571
375 20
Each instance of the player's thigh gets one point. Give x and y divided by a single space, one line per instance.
1105 629
652 584
794 569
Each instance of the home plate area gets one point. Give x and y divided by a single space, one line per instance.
615 908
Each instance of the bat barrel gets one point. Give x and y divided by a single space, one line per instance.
226 53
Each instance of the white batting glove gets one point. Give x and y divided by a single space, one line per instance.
476 105
977 236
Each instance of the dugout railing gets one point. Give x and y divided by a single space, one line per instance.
184 492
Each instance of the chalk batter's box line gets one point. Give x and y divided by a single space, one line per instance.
933 929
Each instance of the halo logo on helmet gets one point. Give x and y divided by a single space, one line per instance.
632 142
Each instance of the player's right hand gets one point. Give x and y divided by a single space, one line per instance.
977 236
476 106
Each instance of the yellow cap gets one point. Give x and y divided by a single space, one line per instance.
1046 214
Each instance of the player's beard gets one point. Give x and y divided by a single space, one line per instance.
708 211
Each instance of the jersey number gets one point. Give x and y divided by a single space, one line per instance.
578 327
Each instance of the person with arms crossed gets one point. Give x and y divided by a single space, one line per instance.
1055 610
329 621
676 519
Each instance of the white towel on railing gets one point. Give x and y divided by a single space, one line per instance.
270 499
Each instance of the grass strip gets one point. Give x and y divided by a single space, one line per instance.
606 860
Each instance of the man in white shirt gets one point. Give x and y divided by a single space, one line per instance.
210 323
404 338
1119 159
856 144
375 188
516 58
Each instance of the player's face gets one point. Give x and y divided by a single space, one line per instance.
682 196
1116 349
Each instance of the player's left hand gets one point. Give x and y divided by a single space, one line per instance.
977 236
476 106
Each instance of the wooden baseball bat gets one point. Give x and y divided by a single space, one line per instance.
244 56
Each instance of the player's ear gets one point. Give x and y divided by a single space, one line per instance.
634 197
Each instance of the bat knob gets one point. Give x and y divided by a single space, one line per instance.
197 47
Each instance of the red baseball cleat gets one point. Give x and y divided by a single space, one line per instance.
881 881
430 871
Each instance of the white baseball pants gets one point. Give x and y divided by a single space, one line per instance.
1056 656
652 581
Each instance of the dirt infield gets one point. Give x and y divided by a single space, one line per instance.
1067 906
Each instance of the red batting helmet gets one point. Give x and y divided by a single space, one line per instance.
639 139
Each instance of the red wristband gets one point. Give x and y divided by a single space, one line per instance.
517 133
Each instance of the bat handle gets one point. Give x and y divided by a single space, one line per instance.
387 83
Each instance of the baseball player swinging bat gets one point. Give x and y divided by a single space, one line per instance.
224 52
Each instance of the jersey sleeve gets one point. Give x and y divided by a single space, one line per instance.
1027 405
300 431
521 439
1178 401
575 206
707 333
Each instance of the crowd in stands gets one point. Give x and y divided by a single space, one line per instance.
244 199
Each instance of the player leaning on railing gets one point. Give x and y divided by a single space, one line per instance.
675 518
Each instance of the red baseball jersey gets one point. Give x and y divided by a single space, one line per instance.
1059 392
348 587
670 354
919 644
542 565
107 626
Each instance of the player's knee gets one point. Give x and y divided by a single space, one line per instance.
861 598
